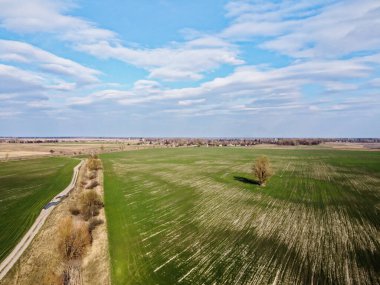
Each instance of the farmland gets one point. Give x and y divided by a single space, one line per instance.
25 187
197 216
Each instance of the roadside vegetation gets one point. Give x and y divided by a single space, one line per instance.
75 230
195 216
93 164
25 188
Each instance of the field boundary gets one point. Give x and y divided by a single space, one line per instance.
20 248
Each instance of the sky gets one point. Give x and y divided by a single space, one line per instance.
177 68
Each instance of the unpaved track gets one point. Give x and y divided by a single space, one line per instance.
12 258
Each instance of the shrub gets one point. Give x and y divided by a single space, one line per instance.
72 273
94 163
92 174
262 170
74 210
73 239
90 203
93 223
92 184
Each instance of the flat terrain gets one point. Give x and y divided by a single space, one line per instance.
85 147
41 261
21 150
25 188
196 216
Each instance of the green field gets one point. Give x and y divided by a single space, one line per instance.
26 186
196 216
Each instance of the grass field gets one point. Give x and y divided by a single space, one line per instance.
25 187
195 216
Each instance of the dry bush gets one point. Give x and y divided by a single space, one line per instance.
92 184
262 170
90 204
93 223
72 273
94 163
92 175
73 239
74 210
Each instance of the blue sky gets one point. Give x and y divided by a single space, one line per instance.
235 68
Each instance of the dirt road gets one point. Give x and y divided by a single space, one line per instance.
12 258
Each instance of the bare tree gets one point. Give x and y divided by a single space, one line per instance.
262 170
90 204
73 239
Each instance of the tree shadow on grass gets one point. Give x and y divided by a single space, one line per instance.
246 180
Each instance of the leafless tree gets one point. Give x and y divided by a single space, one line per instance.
73 239
90 204
262 170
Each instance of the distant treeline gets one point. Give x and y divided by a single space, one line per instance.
233 142
246 142
29 141
177 142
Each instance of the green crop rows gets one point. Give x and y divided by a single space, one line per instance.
197 216
26 186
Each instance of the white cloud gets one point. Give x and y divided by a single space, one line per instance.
375 82
15 51
38 79
185 61
49 16
308 29
264 18
17 80
316 35
191 102
182 61
250 88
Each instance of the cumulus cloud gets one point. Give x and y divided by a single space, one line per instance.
186 61
20 52
265 18
331 48
248 88
49 16
305 29
33 78
15 80
182 61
